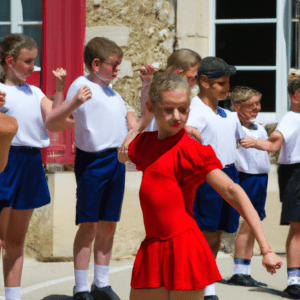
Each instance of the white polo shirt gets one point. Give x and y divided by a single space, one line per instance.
24 103
289 126
251 160
221 133
100 123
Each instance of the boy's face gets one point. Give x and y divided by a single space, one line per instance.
295 99
249 109
109 69
190 75
219 88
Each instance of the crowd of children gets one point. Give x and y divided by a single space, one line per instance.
192 171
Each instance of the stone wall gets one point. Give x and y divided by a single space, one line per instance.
145 29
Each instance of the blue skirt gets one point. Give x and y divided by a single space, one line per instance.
23 183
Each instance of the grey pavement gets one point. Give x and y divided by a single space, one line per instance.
54 281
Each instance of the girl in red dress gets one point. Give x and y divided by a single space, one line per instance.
175 260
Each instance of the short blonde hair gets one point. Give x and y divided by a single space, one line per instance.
182 59
293 74
241 94
164 81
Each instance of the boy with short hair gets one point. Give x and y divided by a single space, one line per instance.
287 138
222 130
253 166
99 131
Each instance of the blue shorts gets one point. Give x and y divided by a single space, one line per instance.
23 184
100 181
211 211
255 186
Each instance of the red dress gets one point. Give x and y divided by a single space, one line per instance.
174 253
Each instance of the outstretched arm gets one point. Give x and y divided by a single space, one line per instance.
238 199
272 144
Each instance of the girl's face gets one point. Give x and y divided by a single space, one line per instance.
172 113
190 75
22 67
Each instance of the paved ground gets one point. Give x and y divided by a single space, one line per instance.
54 281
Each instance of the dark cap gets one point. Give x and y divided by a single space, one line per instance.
214 68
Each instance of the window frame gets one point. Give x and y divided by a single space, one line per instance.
16 20
283 50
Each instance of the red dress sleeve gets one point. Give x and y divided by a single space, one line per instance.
195 161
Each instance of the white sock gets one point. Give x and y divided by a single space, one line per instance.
13 293
101 276
81 281
293 280
241 266
210 290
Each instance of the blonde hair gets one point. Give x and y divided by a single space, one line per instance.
293 74
241 94
182 59
164 81
101 48
12 46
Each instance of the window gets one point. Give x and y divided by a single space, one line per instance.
23 16
255 36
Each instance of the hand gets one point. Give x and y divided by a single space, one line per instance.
147 73
60 75
2 98
248 142
271 261
83 94
123 154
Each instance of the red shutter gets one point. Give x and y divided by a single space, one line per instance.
63 42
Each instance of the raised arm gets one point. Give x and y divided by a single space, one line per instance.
238 199
272 144
147 116
60 75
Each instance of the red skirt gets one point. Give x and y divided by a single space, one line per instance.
184 262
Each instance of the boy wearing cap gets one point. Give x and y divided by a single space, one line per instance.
287 138
221 129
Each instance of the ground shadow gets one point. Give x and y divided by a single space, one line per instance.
272 292
58 297
261 289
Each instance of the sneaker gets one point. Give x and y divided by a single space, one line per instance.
293 290
211 297
244 280
105 293
82 296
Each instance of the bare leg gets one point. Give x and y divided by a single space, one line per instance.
14 242
149 294
104 242
187 295
82 245
244 242
4 215
293 246
214 240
